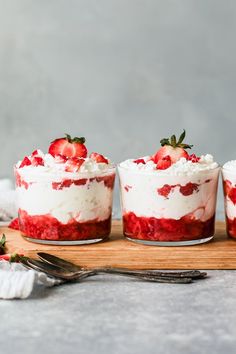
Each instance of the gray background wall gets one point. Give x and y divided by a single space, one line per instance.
123 73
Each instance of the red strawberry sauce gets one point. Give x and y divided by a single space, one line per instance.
46 227
230 192
231 227
170 230
185 190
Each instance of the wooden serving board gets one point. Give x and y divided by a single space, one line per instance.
118 252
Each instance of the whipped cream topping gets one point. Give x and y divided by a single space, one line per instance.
53 169
230 165
182 167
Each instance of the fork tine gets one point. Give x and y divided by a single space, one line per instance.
58 272
62 263
48 269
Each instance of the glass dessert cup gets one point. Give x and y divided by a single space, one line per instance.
68 211
229 187
168 210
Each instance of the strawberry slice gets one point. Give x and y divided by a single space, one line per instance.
164 163
172 148
98 158
73 164
68 147
25 162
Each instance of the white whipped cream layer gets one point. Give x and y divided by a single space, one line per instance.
142 197
182 167
92 201
55 171
230 165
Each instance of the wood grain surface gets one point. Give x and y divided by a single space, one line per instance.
117 251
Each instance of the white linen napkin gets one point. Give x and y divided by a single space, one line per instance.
8 208
17 282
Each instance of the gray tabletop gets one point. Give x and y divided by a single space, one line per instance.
112 314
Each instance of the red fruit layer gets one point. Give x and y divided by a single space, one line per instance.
230 191
185 190
107 180
170 230
46 227
231 227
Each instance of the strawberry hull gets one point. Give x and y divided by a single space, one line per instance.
167 230
46 227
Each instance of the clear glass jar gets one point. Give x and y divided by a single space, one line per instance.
55 210
229 187
168 210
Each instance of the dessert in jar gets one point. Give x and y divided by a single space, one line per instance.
64 196
169 198
229 186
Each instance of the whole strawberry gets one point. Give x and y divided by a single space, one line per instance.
171 151
68 147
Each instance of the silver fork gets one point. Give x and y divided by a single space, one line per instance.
60 268
61 273
62 263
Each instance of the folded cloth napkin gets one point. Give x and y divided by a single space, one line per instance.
17 282
8 207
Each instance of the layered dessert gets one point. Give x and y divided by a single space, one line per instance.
229 187
65 196
169 198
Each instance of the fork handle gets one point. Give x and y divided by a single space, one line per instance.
136 275
193 274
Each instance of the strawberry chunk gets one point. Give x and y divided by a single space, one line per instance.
35 153
189 188
193 158
68 147
140 161
25 162
37 161
164 163
165 190
73 164
98 158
